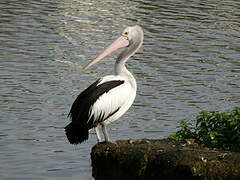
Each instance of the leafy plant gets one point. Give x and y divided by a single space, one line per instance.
213 129
185 132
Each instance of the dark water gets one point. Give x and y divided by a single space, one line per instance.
190 61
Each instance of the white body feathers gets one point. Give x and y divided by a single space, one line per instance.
117 99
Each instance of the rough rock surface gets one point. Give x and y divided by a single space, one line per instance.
146 159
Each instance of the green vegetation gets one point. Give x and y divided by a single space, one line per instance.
213 129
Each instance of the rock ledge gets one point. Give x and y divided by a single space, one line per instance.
146 159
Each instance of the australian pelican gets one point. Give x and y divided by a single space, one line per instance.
109 97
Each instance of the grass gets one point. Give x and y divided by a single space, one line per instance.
212 129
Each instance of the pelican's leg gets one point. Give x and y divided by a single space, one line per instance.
104 130
97 130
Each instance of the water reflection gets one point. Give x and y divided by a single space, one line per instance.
189 62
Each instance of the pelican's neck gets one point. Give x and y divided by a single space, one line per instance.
120 68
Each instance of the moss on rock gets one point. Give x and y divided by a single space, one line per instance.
162 159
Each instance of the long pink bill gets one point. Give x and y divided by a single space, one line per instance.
120 42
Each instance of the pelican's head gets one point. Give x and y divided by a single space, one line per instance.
134 34
132 38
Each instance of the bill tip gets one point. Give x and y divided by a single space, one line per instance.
84 68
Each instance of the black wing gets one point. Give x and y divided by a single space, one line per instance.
79 112
77 130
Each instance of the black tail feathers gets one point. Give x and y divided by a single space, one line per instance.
76 134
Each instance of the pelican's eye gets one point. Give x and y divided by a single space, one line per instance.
125 33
